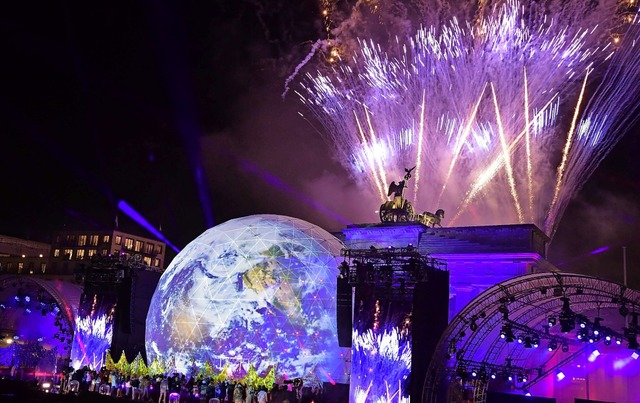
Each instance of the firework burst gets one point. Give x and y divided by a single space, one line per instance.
505 111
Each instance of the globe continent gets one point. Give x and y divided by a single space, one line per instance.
258 290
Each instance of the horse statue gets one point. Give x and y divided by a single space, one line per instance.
431 219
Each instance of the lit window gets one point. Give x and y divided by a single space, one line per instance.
93 240
68 254
20 267
43 267
118 239
56 253
106 238
105 252
158 249
82 240
128 243
138 247
91 252
148 248
156 262
147 260
80 254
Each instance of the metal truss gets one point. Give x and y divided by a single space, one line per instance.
523 306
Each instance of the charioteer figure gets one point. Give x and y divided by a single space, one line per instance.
399 209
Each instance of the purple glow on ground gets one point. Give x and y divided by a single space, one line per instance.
131 212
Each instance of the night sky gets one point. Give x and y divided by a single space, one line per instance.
176 108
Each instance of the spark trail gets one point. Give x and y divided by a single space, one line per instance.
493 111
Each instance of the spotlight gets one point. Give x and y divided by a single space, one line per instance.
553 345
565 348
520 339
618 341
474 373
560 376
624 311
582 321
527 342
566 317
473 326
607 340
503 309
461 371
583 335
506 333
535 341
551 321
493 376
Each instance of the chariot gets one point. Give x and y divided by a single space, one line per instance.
399 209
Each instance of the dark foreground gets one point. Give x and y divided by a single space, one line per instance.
27 392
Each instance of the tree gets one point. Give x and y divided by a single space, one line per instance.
109 364
138 367
157 367
206 371
123 365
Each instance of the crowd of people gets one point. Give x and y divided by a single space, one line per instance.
180 388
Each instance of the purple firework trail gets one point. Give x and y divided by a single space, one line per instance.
505 113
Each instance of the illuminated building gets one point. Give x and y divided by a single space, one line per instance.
71 248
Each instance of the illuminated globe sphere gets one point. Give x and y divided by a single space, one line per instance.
258 290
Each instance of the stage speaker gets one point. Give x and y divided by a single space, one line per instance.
344 312
429 320
335 392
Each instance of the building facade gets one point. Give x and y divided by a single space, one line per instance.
72 248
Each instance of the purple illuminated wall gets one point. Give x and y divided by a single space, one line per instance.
477 257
